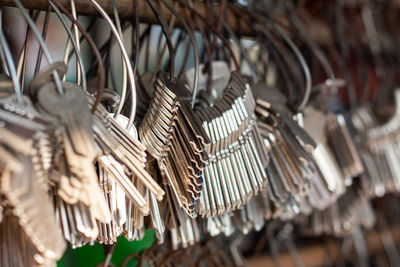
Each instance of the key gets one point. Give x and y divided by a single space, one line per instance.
376 184
218 176
17 249
322 155
229 125
344 148
117 171
277 193
31 204
131 157
293 150
79 147
172 135
24 181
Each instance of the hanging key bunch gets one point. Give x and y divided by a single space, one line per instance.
291 169
235 172
229 134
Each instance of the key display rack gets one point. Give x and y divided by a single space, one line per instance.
199 133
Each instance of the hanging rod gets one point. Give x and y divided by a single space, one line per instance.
126 10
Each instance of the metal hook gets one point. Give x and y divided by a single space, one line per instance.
44 34
66 53
303 63
167 37
124 65
195 49
74 44
6 58
126 59
21 65
86 35
220 36
38 36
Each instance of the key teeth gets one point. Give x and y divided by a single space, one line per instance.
173 96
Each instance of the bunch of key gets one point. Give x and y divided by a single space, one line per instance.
291 168
379 148
351 210
250 217
173 135
98 178
235 171
78 198
29 232
131 193
329 180
183 229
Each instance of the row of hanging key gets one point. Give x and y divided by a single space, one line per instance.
303 174
174 139
75 213
24 183
350 211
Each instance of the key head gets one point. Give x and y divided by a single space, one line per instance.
73 99
46 76
72 110
271 95
173 88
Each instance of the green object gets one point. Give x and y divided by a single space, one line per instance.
88 255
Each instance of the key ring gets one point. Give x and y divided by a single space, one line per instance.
124 65
75 44
7 60
101 79
79 71
195 49
39 38
126 60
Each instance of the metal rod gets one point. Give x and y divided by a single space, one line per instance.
126 9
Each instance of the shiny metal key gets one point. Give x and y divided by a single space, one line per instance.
169 132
